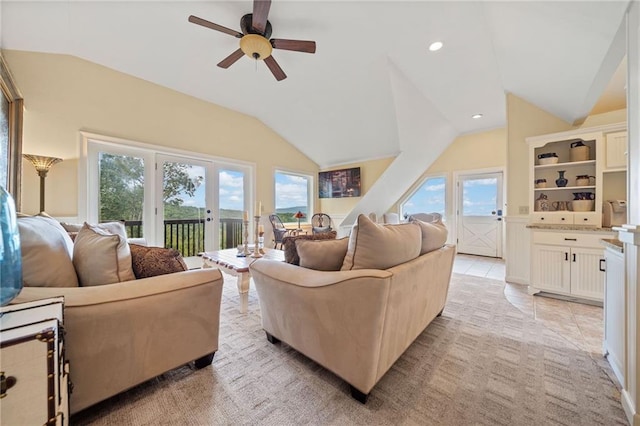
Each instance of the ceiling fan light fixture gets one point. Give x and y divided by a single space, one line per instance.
255 46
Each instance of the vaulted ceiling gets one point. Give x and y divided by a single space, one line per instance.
339 105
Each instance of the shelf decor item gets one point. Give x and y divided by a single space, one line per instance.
547 158
579 151
561 181
542 203
10 255
541 183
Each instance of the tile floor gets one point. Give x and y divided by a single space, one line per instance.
579 323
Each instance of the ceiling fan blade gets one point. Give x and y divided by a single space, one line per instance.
295 45
275 68
231 59
205 23
260 13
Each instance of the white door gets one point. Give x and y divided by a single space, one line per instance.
550 269
184 204
480 214
587 275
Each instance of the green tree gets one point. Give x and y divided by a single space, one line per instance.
122 187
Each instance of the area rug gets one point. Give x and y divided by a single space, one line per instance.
483 362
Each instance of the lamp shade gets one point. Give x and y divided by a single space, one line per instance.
42 163
299 215
255 46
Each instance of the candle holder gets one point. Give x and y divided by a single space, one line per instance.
261 242
257 252
245 251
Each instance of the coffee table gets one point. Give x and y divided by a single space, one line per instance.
238 267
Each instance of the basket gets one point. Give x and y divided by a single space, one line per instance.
547 160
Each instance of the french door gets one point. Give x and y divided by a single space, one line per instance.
191 204
480 214
184 204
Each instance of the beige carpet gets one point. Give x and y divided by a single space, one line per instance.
483 362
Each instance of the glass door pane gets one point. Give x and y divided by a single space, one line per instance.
480 218
184 208
231 205
121 191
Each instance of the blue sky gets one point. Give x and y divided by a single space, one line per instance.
479 197
291 190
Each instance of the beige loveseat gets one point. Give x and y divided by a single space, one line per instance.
122 334
357 321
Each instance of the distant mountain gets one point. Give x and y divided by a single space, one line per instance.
293 210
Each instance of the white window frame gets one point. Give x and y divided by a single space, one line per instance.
310 191
88 175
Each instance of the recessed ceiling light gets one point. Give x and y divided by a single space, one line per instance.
476 116
436 45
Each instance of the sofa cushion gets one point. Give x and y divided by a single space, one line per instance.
289 245
376 246
151 261
47 253
101 256
434 235
322 255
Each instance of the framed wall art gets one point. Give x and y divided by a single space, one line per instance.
339 183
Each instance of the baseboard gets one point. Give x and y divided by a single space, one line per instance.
629 409
516 280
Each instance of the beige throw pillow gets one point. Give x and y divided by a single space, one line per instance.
46 253
101 257
434 235
322 255
375 246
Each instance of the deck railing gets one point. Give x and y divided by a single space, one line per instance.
187 235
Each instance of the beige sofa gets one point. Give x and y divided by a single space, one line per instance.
122 334
357 321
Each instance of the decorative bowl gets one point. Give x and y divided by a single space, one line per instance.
582 205
547 160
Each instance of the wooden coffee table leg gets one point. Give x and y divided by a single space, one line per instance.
243 290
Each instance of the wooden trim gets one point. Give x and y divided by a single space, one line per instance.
16 107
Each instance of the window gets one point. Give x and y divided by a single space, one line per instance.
428 198
121 195
293 194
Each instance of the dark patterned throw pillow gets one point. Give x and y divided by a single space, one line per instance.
151 261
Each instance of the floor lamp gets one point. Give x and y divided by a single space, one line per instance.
42 165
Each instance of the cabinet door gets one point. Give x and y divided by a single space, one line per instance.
586 278
550 268
616 149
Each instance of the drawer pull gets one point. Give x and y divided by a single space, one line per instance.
600 266
6 383
574 257
570 239
585 219
566 256
562 218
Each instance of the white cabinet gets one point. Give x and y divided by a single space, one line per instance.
34 373
568 263
616 151
614 330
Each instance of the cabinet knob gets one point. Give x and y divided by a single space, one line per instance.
6 383
562 218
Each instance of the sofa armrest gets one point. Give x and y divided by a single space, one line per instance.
120 335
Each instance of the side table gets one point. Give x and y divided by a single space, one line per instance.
34 373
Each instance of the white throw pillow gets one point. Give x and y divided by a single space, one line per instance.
47 251
101 256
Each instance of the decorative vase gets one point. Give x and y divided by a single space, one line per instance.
561 181
10 255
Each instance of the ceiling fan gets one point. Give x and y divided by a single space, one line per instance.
254 39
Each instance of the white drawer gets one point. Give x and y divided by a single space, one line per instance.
586 218
571 239
553 218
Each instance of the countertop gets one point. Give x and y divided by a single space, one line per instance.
568 228
613 244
